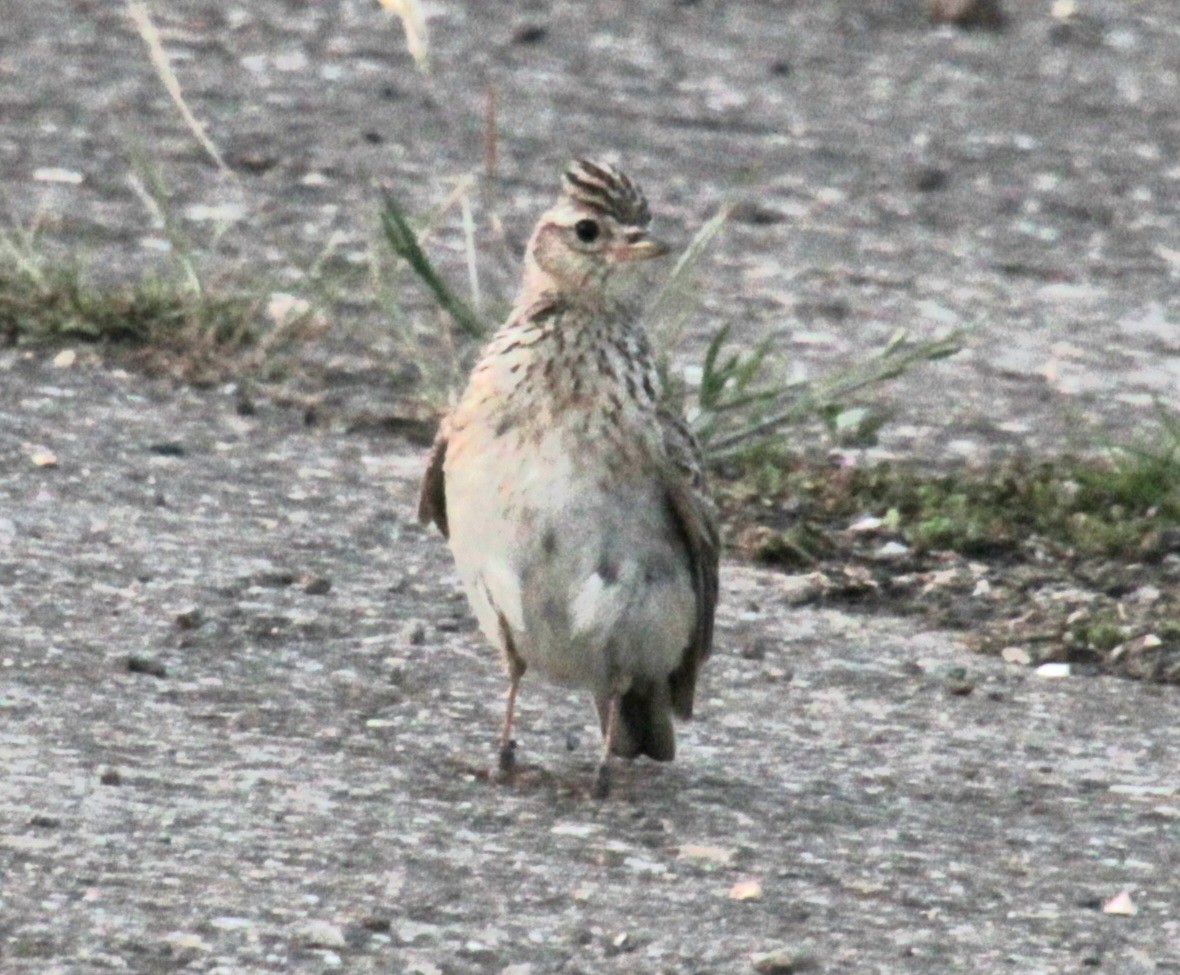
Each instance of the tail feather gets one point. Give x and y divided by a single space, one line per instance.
645 723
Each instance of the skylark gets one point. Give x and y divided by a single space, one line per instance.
574 501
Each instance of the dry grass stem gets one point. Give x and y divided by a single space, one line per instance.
414 24
159 57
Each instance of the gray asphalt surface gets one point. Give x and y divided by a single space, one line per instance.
304 788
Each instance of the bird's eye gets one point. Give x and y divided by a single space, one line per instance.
587 230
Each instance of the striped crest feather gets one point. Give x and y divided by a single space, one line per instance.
603 188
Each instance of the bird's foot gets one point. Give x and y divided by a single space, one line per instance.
602 777
508 757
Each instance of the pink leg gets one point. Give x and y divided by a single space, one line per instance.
507 745
601 787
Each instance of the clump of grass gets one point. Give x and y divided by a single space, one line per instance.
743 403
168 322
1124 504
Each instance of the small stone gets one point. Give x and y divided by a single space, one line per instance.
230 922
930 179
110 776
145 665
317 585
721 855
1016 655
54 174
746 890
783 961
529 34
41 821
967 13
190 619
320 934
891 550
755 213
183 941
759 648
1121 904
1053 670
377 924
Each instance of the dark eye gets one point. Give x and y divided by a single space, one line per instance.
587 230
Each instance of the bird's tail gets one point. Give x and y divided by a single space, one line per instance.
645 722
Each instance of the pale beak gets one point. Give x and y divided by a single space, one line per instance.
639 250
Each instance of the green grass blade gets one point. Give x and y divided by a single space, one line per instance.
404 242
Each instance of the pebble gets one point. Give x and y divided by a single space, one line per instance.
967 13
136 664
1016 655
783 961
190 619
320 934
317 586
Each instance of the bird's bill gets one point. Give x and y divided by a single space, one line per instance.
639 250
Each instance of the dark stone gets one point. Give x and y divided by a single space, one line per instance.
751 212
145 665
530 34
759 648
190 619
985 14
41 821
929 179
317 586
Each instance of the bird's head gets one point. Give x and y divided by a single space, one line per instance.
598 226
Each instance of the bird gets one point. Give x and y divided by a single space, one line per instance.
573 497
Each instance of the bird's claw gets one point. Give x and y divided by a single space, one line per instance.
601 788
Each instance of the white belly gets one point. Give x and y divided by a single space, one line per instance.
590 578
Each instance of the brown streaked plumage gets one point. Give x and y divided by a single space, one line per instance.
574 502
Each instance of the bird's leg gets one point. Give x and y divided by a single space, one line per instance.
601 787
516 669
507 744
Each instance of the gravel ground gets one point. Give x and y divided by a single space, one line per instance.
247 724
246 718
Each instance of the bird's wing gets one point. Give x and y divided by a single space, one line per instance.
432 501
695 517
